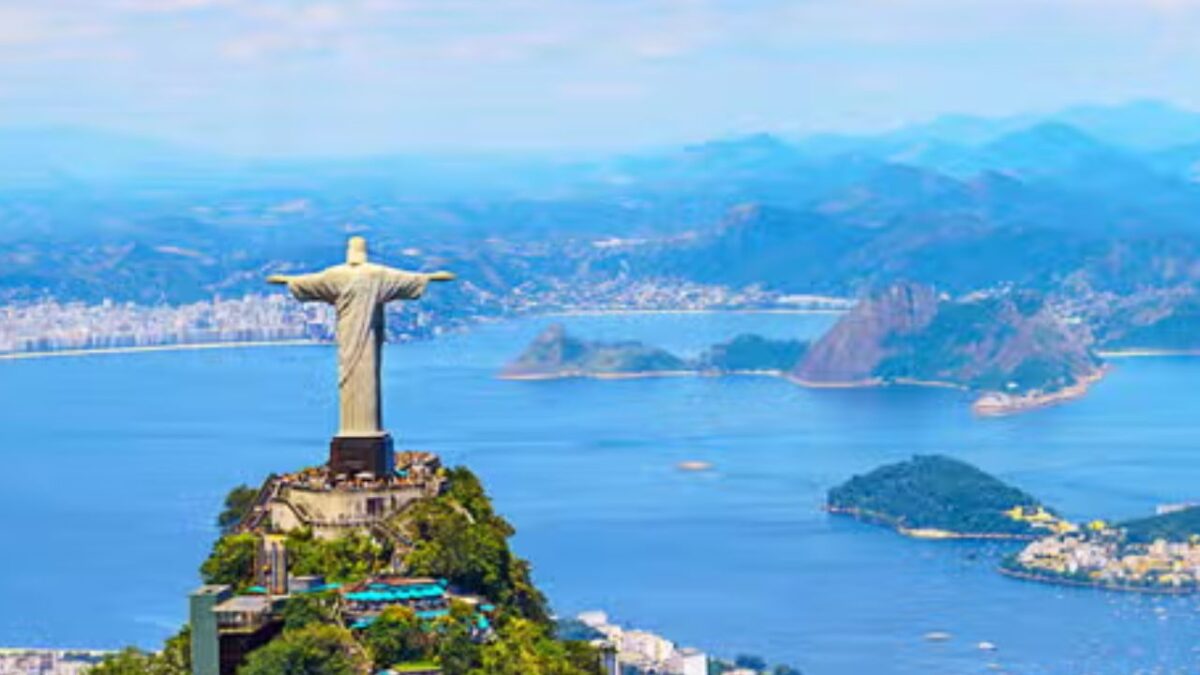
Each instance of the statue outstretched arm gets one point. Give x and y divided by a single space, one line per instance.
404 285
317 286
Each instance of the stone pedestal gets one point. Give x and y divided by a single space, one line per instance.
355 454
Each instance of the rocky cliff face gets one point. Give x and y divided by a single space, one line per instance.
1008 341
853 349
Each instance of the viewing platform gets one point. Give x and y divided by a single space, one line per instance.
332 505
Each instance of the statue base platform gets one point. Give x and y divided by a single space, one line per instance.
351 455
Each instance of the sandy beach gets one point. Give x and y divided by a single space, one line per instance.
101 351
922 532
998 404
633 312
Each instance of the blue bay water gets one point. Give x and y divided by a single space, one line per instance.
115 466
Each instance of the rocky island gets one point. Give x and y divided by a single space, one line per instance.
1011 348
938 497
556 354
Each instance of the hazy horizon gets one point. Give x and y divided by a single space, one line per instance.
364 77
33 133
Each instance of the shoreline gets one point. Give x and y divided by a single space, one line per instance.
1137 353
1099 586
996 404
924 533
289 342
1012 406
634 312
642 375
141 349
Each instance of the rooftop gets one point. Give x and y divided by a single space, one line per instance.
245 604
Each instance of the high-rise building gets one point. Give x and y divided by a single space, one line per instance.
206 645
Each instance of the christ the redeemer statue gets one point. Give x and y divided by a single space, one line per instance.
359 290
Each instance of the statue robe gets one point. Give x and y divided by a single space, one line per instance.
359 293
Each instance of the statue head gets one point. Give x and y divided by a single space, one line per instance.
356 251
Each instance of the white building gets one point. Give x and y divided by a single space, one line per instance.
644 650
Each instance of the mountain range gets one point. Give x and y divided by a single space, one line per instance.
1087 204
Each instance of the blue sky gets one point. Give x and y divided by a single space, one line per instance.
363 76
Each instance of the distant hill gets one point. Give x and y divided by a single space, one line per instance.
1008 347
936 493
1175 526
1172 324
858 345
1139 126
556 354
752 353
1142 125
1007 341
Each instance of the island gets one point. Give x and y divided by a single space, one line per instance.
1010 348
556 354
1155 554
939 497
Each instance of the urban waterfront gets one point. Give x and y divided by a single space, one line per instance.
119 463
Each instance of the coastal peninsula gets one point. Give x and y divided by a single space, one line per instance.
938 497
1010 349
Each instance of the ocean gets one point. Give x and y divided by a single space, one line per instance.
116 465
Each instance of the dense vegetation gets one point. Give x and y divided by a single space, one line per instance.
237 504
174 659
324 649
554 352
933 491
456 536
348 558
1177 526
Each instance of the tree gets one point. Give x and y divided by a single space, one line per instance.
308 609
524 647
750 662
237 505
458 536
457 652
396 636
231 561
352 557
128 661
176 655
315 650
174 659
